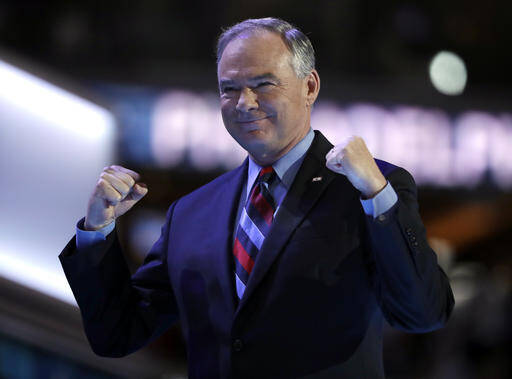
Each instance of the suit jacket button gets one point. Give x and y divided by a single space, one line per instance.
381 218
408 231
238 345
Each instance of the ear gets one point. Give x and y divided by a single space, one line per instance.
312 83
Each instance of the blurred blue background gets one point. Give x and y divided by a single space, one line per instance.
85 84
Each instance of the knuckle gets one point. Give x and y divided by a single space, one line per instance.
101 182
114 197
127 179
99 190
124 190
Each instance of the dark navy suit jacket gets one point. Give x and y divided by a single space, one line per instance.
325 278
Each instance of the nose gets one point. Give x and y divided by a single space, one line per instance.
247 101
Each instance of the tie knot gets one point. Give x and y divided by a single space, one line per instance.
267 175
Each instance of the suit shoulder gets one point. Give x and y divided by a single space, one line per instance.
399 177
386 168
208 191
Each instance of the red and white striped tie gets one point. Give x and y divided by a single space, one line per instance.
254 225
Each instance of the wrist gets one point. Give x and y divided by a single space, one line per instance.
375 188
94 228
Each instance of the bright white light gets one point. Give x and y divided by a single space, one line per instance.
42 280
369 121
53 145
448 73
501 146
169 127
335 123
471 155
51 103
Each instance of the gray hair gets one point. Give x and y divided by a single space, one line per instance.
301 49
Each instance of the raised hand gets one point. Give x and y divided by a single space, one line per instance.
353 159
116 192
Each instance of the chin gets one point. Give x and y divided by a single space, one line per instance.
254 144
256 137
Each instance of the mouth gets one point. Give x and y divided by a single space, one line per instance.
251 121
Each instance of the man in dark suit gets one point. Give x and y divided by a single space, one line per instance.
282 268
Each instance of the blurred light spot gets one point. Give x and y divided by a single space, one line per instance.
187 125
170 127
500 145
334 122
53 104
471 154
448 73
145 230
437 150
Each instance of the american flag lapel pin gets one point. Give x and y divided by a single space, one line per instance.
317 179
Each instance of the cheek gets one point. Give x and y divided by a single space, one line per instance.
226 110
226 119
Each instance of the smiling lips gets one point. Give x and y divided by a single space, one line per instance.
251 121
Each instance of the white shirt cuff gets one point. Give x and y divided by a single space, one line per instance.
380 203
86 238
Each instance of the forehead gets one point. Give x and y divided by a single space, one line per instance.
255 53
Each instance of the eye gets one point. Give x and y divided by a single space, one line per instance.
228 91
264 84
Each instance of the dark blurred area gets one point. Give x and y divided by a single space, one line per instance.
145 42
126 54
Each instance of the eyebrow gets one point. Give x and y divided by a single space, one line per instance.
264 77
267 76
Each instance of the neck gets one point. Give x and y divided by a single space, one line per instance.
269 158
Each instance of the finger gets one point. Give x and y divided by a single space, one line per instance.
127 179
105 191
359 145
133 174
334 164
138 192
331 153
119 185
333 161
336 154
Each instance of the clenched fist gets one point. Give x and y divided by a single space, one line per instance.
116 191
353 159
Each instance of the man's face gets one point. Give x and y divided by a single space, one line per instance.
263 102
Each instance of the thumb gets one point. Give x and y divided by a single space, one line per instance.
139 191
333 163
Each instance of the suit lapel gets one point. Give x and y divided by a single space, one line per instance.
312 179
228 200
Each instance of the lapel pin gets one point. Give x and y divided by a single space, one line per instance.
317 179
